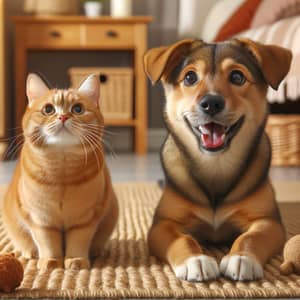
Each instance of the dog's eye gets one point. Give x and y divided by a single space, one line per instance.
48 109
237 77
190 78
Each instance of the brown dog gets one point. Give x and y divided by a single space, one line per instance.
216 157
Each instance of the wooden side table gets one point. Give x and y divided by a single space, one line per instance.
81 33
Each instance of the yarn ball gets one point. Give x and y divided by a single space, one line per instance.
11 272
291 256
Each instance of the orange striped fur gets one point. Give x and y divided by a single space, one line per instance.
60 206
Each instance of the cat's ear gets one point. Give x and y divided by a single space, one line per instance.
35 88
90 88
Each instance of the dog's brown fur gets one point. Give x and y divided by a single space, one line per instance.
225 196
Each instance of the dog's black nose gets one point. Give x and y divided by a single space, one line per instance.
212 104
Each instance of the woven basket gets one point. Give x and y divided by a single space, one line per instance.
51 7
284 133
115 91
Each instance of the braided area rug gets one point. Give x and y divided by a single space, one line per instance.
127 270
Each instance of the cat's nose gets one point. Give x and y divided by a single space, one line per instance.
63 118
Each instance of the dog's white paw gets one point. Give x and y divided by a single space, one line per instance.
241 267
198 268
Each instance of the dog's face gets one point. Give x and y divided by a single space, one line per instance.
214 90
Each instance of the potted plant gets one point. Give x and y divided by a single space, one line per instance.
92 8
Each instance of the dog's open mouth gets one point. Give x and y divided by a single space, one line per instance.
212 135
215 136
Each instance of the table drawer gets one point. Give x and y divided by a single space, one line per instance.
110 36
52 35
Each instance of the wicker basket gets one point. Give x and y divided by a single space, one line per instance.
115 91
51 7
284 133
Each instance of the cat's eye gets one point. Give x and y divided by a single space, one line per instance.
237 77
48 109
190 78
77 109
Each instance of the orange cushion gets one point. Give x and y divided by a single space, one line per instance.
239 21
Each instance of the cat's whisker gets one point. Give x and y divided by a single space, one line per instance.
92 126
35 140
92 141
52 126
15 128
88 124
14 141
12 138
96 141
35 136
14 150
84 149
110 148
93 129
78 135
95 134
110 133
95 153
107 144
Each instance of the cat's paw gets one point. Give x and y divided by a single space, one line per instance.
198 268
49 263
77 263
241 267
30 253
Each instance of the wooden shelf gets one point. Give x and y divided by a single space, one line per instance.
59 33
82 19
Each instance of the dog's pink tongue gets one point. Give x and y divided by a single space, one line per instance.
212 135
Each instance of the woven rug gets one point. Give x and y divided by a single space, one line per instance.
127 270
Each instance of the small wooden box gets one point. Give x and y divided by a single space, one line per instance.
115 90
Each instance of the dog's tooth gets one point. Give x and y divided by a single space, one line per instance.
204 130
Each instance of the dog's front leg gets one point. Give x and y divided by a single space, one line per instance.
168 241
252 249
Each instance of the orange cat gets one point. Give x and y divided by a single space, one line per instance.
60 206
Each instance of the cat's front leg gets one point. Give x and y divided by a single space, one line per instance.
78 242
49 244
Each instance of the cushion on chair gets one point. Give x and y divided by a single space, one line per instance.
270 11
239 21
217 16
227 18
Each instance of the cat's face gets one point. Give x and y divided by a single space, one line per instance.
63 117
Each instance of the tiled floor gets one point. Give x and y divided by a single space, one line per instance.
129 167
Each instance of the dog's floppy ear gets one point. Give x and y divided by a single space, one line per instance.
274 61
156 60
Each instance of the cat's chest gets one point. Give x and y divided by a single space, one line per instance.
62 205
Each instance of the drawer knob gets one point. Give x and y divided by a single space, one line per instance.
55 34
112 34
102 78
